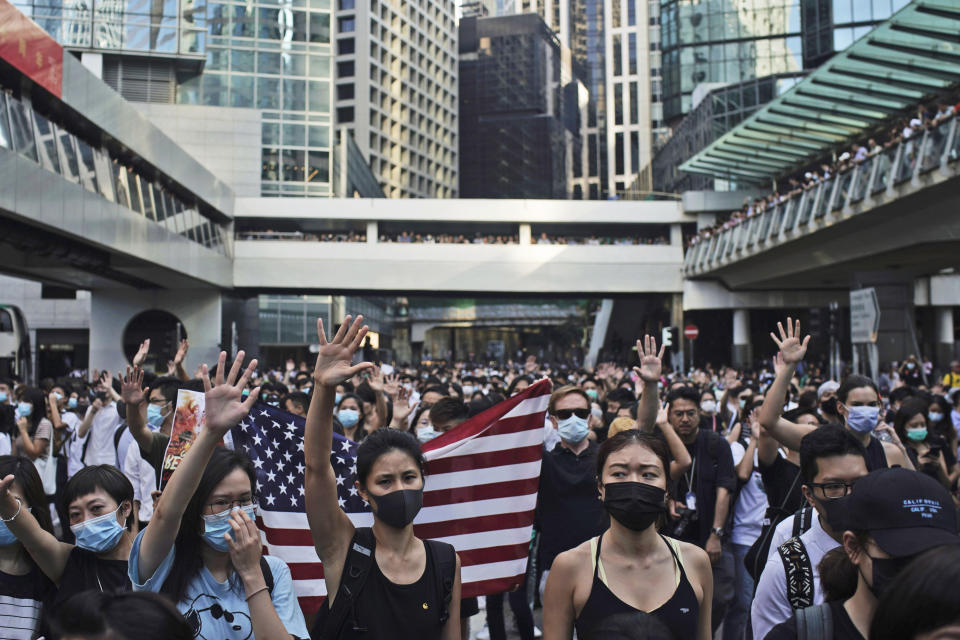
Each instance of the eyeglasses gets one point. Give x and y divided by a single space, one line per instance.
832 490
222 504
564 414
692 413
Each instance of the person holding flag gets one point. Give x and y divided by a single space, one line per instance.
382 582
202 548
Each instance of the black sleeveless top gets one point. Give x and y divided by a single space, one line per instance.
876 455
388 611
678 615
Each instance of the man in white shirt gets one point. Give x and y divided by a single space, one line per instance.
831 460
99 426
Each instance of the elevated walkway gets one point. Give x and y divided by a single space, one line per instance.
896 210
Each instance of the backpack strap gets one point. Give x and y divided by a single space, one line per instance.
357 567
815 623
444 573
117 436
802 521
267 574
798 573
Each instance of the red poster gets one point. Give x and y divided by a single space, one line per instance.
29 49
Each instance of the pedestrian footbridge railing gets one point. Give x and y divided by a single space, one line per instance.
899 170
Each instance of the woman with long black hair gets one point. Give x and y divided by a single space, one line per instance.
202 548
405 592
34 429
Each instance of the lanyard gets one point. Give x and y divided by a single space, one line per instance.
689 475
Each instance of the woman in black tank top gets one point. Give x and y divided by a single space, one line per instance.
401 596
630 578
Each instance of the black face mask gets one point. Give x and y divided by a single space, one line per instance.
398 508
829 406
635 505
884 572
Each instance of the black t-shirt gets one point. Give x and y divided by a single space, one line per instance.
843 627
85 570
22 598
780 483
712 468
568 509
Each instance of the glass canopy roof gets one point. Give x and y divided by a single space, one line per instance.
904 61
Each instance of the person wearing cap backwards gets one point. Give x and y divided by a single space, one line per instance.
827 397
890 517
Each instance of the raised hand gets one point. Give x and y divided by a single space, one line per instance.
651 362
131 389
530 366
789 343
103 381
391 385
401 406
140 357
377 382
245 546
223 400
333 360
181 352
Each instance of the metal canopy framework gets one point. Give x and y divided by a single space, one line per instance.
906 60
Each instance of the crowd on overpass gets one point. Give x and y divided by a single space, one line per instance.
907 129
408 237
717 502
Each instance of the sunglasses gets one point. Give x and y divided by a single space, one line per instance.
564 414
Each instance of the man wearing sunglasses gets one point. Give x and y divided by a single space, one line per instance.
831 461
568 511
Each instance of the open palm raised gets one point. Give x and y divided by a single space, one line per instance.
334 358
651 362
791 348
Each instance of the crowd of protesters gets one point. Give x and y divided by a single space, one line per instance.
708 504
908 130
407 237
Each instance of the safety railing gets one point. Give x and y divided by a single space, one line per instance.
876 177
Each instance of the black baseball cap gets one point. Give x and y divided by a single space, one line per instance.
905 512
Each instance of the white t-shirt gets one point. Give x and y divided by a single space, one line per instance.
100 449
143 478
6 445
751 503
771 606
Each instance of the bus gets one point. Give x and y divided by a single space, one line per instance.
15 357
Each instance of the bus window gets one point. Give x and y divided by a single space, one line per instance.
6 321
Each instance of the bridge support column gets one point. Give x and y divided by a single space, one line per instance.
676 235
945 331
525 233
741 338
373 232
198 310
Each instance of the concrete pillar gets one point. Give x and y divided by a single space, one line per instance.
199 310
945 332
741 337
676 235
373 232
525 233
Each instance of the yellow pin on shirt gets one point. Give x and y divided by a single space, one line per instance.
425 606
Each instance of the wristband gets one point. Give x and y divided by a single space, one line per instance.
263 588
14 516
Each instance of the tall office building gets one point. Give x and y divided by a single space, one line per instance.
617 44
732 41
520 116
396 91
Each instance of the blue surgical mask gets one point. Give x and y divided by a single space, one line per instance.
348 417
337 398
100 534
24 409
426 434
219 523
917 435
573 429
6 536
72 403
58 396
863 419
155 416
592 394
3 396
935 416
911 366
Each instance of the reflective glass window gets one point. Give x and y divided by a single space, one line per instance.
269 24
319 95
270 165
294 94
46 144
6 140
320 67
158 204
268 62
101 163
123 188
294 64
214 89
270 133
293 135
241 60
88 170
320 27
243 22
293 168
319 169
346 25
319 136
268 93
146 193
298 32
21 129
241 91
136 201
217 17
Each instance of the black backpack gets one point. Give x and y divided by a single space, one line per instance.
756 556
331 623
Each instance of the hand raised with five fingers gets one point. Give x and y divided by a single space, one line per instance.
181 352
131 389
333 360
789 343
224 403
651 362
377 382
391 385
140 357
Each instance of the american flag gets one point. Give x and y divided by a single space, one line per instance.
480 493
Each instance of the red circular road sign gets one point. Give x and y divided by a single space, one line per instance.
691 331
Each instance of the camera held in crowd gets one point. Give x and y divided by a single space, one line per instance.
686 517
